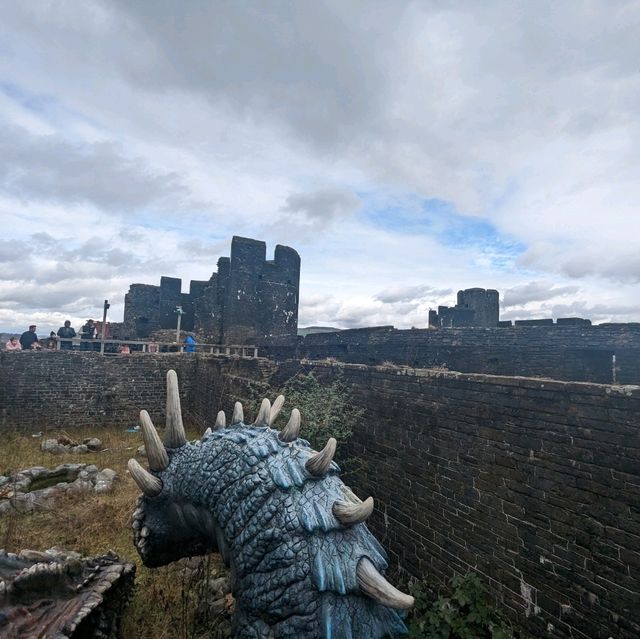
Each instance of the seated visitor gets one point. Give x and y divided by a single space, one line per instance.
152 347
51 343
124 349
13 344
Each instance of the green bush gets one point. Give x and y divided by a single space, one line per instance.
463 615
326 409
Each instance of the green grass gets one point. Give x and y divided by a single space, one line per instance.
165 599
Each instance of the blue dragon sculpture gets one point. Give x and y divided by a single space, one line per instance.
303 563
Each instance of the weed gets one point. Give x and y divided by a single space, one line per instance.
462 615
165 600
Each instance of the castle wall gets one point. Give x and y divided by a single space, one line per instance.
170 298
475 307
569 352
248 298
532 483
142 310
66 389
241 313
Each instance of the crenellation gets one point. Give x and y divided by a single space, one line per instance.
248 298
475 307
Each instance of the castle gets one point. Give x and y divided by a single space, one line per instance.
249 297
475 307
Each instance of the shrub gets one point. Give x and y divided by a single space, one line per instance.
326 409
463 615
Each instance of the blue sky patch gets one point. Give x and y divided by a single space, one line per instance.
440 220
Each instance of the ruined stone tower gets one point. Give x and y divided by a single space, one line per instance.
475 307
247 298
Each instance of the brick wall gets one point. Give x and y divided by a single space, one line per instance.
40 390
535 484
574 353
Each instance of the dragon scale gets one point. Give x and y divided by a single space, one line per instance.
302 561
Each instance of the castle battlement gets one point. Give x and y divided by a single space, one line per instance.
249 297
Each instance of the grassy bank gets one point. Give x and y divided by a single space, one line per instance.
165 599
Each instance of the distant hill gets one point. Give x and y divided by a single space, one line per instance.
308 330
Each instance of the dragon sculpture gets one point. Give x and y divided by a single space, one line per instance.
302 561
62 595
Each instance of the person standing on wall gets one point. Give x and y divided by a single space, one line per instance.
28 338
88 333
66 332
190 343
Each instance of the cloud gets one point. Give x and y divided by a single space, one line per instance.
321 206
411 293
535 292
45 167
163 130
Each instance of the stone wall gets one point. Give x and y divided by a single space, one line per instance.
576 353
248 297
64 389
534 484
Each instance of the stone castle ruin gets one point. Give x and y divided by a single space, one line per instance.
249 297
475 307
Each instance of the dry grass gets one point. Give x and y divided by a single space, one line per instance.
165 599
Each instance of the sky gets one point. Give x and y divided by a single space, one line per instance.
405 149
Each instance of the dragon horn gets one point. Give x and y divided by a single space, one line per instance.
238 414
319 464
291 431
275 409
156 453
373 584
148 484
350 514
174 435
221 421
263 414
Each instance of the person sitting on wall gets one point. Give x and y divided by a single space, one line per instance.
13 344
51 343
152 346
88 333
66 332
28 338
124 349
190 343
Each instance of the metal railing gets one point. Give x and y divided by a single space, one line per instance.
106 347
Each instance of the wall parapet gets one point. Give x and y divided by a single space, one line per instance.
567 352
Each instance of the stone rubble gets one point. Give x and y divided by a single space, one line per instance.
65 445
20 491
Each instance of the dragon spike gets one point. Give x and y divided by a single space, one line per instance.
373 584
275 409
207 432
319 464
238 414
263 414
174 435
350 514
291 431
156 453
221 421
148 484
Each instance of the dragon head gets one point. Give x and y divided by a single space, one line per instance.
292 533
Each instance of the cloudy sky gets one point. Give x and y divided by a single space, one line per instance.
405 149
